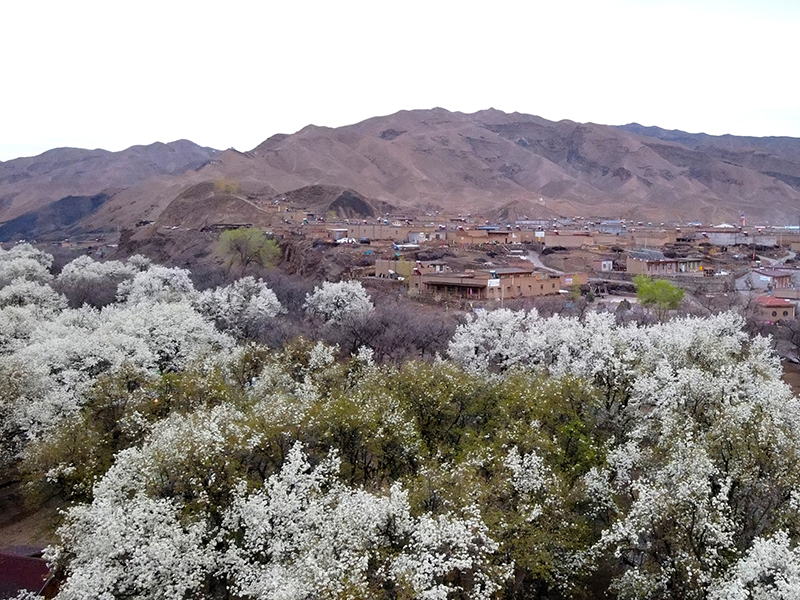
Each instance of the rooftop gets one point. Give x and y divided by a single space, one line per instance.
773 272
772 301
508 270
461 280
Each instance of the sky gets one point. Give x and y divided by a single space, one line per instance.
110 75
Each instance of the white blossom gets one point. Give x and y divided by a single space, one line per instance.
769 570
87 280
243 308
136 546
157 284
303 534
306 535
175 333
532 479
335 302
63 357
24 261
22 292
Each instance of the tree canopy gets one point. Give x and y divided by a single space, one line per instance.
538 457
248 247
659 294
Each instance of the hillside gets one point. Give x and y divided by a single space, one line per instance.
52 220
501 165
777 157
30 184
516 165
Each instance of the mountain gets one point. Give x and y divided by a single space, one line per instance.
53 219
30 184
496 163
501 165
777 157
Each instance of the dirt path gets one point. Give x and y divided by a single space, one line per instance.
20 527
537 262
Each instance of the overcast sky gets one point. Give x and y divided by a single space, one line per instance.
230 74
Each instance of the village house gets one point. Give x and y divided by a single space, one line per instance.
605 239
338 233
612 226
640 264
395 232
651 237
22 568
385 268
422 267
567 280
726 236
487 284
570 239
769 309
468 236
770 279
603 265
428 235
503 236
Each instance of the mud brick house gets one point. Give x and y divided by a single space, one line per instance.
487 284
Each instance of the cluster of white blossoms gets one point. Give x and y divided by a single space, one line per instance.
303 534
704 439
152 320
336 302
24 262
87 281
681 450
243 308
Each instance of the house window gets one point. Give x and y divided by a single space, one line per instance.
774 313
541 286
786 313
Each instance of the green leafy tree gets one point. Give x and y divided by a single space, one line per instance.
248 247
658 294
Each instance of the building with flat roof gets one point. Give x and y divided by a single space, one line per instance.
502 283
660 267
770 279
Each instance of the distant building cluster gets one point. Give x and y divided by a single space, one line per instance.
428 255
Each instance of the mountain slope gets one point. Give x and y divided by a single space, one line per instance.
52 220
777 157
491 159
421 161
28 184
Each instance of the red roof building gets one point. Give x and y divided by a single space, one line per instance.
770 308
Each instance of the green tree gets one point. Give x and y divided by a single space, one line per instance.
658 294
248 247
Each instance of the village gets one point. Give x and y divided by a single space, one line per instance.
468 260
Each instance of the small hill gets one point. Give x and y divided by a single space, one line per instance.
211 202
342 202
